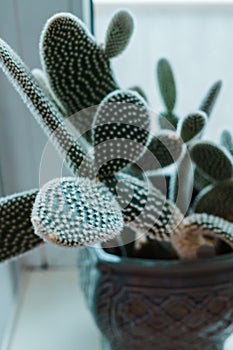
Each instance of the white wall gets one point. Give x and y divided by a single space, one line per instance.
196 39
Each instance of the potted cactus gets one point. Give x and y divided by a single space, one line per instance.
171 285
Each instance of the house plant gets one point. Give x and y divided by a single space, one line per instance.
133 299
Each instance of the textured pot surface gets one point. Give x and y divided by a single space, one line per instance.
162 305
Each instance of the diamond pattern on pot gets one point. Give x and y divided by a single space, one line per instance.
76 212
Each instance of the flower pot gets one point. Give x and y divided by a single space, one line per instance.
162 305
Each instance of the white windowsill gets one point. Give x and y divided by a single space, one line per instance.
52 314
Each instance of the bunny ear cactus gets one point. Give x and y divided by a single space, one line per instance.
119 32
45 112
209 101
227 141
145 209
214 161
16 231
192 126
216 200
167 87
76 212
216 164
78 69
120 131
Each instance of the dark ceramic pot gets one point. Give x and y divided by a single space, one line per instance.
159 305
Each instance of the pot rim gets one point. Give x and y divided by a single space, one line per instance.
219 264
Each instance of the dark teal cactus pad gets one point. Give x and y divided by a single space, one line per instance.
192 126
79 69
119 32
227 141
76 212
16 231
214 161
209 100
167 84
216 200
120 131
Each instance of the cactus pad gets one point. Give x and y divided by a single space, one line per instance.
227 141
118 33
16 231
208 102
120 131
78 69
44 110
216 200
76 212
145 209
215 162
192 126
166 84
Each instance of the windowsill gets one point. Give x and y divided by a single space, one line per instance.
52 314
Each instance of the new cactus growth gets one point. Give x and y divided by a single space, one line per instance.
101 198
167 86
209 100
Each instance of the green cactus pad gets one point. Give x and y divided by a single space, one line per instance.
167 84
78 69
216 200
43 110
76 212
145 209
119 32
192 126
227 141
209 101
120 131
163 150
215 162
16 231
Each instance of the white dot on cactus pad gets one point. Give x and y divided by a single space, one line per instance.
76 212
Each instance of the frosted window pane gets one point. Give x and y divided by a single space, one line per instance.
197 41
